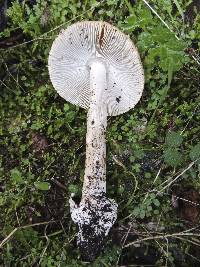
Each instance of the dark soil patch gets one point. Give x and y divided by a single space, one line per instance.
52 210
192 10
187 202
39 143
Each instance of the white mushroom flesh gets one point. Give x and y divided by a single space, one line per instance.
95 167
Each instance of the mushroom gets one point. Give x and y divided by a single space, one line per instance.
95 66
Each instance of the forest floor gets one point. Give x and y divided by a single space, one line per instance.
153 151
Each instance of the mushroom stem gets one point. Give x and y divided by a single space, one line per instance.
95 214
95 165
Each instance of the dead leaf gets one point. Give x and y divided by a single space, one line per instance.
39 143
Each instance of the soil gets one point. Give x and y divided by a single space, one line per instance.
39 143
52 210
186 200
192 10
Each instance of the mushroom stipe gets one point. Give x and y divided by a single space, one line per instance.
95 66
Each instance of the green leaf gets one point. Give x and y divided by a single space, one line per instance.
162 35
195 153
173 139
119 137
149 208
73 188
142 214
170 71
131 9
145 41
42 186
156 202
139 153
147 175
1 201
145 18
16 175
172 157
179 8
152 196
66 107
163 50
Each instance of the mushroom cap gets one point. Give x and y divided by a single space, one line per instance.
69 69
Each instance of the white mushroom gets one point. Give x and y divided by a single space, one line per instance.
97 67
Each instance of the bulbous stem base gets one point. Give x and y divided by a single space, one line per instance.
94 218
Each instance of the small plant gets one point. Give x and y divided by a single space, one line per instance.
195 153
148 205
172 155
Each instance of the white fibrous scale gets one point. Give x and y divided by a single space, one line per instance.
95 66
